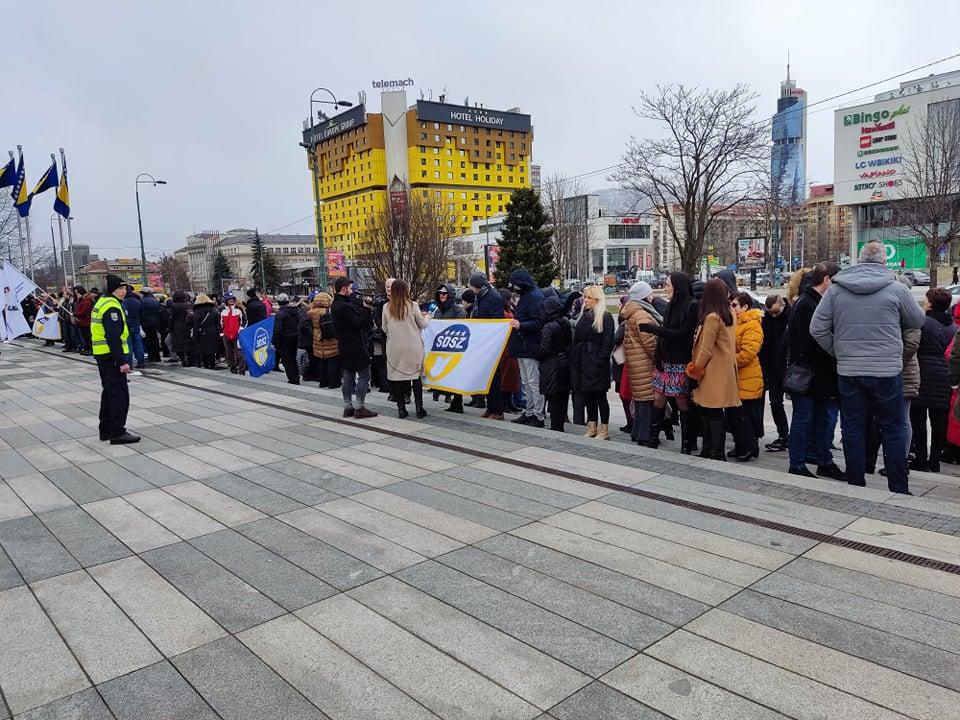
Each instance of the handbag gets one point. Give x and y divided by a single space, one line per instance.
619 355
797 379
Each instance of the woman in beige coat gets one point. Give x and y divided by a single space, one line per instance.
403 325
714 366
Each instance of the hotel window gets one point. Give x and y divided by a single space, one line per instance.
488 208
487 178
509 178
436 175
423 161
500 208
449 163
463 165
476 207
488 143
450 194
436 138
463 196
423 136
499 167
449 126
463 141
463 176
449 176
488 196
436 151
436 126
475 178
464 206
499 178
423 148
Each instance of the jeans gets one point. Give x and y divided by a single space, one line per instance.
355 383
811 426
136 344
530 378
883 397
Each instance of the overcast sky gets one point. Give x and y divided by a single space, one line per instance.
210 96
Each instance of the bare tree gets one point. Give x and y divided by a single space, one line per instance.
783 216
413 242
930 174
174 273
705 165
10 248
571 246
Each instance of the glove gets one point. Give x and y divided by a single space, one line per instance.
695 371
648 328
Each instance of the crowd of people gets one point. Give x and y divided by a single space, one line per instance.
851 346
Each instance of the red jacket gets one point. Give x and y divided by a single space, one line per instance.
83 310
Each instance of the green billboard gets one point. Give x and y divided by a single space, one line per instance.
910 250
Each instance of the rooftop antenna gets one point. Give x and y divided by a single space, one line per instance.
788 65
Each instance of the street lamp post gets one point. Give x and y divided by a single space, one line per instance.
311 148
143 254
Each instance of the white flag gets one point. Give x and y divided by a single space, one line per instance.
47 325
14 287
462 355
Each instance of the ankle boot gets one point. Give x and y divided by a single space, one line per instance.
603 432
705 431
402 410
688 437
591 430
717 437
656 418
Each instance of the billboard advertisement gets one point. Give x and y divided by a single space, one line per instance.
907 253
751 253
336 265
491 253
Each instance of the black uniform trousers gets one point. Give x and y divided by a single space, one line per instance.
115 398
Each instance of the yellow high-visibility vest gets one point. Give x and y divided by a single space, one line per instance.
97 335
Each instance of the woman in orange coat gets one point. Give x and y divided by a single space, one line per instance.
714 366
746 422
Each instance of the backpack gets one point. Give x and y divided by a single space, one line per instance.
327 331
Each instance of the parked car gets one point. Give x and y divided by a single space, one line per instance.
954 291
917 277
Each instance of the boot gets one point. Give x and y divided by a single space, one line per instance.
717 437
591 430
688 438
667 427
603 432
656 420
456 405
418 398
705 431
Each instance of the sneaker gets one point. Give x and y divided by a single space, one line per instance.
831 471
361 413
523 420
534 422
778 445
802 471
348 412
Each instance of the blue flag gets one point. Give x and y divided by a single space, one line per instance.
256 343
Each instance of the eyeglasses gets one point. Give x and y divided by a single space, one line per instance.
441 293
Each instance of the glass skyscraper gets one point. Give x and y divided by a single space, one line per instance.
788 160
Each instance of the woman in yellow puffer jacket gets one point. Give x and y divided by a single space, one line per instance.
746 421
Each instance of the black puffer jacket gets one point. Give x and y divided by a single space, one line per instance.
590 354
448 309
772 356
286 325
181 323
351 320
206 329
935 335
802 348
555 339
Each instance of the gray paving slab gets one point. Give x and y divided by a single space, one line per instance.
135 529
670 607
171 621
912 658
157 474
286 449
301 491
598 701
433 678
36 667
578 646
221 594
873 613
168 437
36 553
281 581
555 498
455 505
341 570
115 477
78 485
493 497
9 575
38 493
17 437
239 686
46 432
305 436
581 606
84 705
83 537
13 464
256 496
321 478
902 595
157 692
333 680
105 642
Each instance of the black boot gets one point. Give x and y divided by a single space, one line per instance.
688 436
717 439
656 419
418 398
667 427
705 431
456 405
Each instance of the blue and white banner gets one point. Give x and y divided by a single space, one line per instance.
47 325
461 356
256 343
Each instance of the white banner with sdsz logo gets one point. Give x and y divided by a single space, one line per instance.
461 356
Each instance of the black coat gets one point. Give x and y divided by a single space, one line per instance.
286 325
206 329
556 336
802 348
149 312
256 311
350 321
675 335
590 354
935 334
773 358
525 340
488 304
181 326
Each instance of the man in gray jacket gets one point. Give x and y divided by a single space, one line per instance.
860 322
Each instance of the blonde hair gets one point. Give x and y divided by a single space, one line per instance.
595 292
793 285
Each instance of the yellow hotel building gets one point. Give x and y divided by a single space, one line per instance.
468 157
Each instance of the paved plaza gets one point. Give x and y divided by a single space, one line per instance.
255 557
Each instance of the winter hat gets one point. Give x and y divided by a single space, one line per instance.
229 296
283 298
251 293
478 280
468 296
113 282
640 290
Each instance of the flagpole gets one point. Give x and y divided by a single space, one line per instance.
23 262
63 263
27 223
53 241
73 266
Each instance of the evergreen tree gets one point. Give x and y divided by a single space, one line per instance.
525 242
221 272
265 273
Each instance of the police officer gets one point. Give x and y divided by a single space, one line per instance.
108 334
